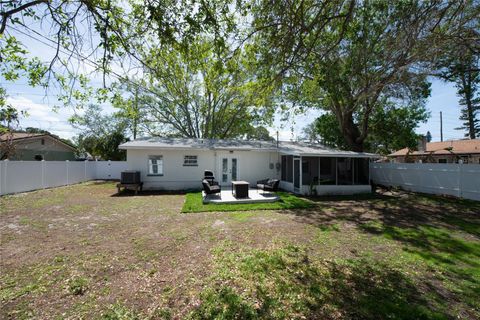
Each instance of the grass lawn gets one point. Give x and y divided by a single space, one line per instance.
194 203
82 252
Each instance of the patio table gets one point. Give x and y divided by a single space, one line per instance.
240 189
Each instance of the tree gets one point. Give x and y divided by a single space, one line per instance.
101 134
461 66
392 128
381 52
203 92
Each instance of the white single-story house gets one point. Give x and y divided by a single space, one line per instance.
179 164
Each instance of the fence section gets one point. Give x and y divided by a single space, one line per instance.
21 176
459 180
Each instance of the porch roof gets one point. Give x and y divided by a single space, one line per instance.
318 150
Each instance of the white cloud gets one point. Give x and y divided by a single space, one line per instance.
42 116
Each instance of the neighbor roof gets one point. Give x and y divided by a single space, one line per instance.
442 148
290 148
21 136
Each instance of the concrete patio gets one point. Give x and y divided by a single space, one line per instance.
254 196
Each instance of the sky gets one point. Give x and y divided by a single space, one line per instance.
43 114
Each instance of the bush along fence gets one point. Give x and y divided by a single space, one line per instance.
459 180
21 176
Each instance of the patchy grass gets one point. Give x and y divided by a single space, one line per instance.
285 283
194 203
96 255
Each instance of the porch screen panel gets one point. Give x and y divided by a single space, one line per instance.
309 170
328 175
345 171
361 171
284 168
287 168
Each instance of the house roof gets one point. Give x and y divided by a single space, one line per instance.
23 136
442 148
19 135
290 148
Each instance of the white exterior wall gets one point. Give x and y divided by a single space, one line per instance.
324 190
460 180
252 166
338 189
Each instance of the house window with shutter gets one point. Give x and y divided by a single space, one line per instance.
155 165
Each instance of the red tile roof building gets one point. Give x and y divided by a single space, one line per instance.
442 152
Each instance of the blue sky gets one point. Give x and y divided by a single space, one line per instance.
43 114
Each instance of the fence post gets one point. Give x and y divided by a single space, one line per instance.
67 161
3 173
460 174
109 170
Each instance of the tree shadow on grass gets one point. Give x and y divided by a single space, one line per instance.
285 284
440 232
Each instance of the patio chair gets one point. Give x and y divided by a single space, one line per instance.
208 175
210 189
268 184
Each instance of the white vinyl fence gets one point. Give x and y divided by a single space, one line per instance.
459 180
20 176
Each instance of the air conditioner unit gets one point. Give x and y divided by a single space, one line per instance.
130 177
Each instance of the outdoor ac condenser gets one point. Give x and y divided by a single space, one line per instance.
130 177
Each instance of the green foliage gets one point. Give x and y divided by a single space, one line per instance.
204 92
119 312
77 286
356 60
193 203
101 134
391 128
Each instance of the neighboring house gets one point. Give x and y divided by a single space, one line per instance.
454 151
179 164
36 146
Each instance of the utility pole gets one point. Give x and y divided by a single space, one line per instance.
441 127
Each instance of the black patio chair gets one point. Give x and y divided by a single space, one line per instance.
208 175
210 189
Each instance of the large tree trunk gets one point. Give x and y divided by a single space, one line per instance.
352 134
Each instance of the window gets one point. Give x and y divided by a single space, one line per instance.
42 142
38 157
190 161
442 160
327 171
155 165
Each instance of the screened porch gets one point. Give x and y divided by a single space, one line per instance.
325 174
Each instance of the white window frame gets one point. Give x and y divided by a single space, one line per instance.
190 161
155 162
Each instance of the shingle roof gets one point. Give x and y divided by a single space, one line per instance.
440 148
294 148
19 135
16 136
